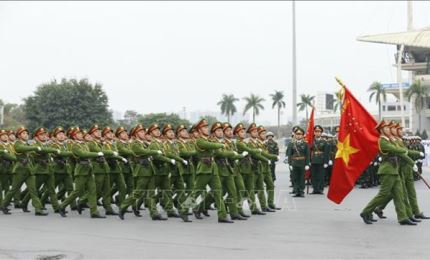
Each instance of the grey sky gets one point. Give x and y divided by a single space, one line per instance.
161 56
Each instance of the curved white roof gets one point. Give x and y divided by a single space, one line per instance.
418 38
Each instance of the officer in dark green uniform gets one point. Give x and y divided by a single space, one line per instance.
84 177
273 148
320 153
23 173
299 159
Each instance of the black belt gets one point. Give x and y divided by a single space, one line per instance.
144 161
206 160
84 162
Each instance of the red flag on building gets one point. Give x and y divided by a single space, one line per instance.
357 146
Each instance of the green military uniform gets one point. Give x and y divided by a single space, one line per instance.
143 172
272 148
22 173
299 159
42 170
124 149
84 177
320 157
268 205
187 151
7 157
391 183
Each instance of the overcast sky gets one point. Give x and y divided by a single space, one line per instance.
162 56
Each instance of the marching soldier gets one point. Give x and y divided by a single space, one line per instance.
299 160
391 183
272 147
123 145
320 152
143 173
84 177
206 174
161 167
23 173
7 157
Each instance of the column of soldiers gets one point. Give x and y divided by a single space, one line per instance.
397 164
184 171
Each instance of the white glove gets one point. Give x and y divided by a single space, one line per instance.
235 153
415 168
307 167
244 153
39 149
422 154
124 160
278 157
159 152
325 165
5 151
184 162
375 164
115 153
173 162
330 162
380 159
260 150
236 161
100 154
269 162
58 151
291 168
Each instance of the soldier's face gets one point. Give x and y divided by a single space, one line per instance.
79 136
196 134
298 136
262 135
269 137
254 133
123 135
204 130
4 138
61 136
141 134
219 133
393 131
228 133
88 138
156 133
317 133
24 135
400 132
148 137
386 131
12 138
170 134
183 133
97 134
109 135
241 133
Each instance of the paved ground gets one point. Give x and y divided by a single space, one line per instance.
310 227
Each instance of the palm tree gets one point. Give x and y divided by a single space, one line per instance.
253 102
227 105
338 101
278 101
380 95
306 101
418 94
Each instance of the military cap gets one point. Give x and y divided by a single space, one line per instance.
192 129
180 127
226 125
215 126
238 128
11 132
381 124
92 129
202 123
392 124
136 129
119 130
69 130
39 131
270 134
318 127
261 129
85 133
56 131
153 127
106 130
4 132
74 131
294 128
252 127
299 130
167 128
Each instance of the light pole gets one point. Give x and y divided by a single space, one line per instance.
294 109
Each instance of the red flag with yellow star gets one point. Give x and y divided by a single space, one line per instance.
357 146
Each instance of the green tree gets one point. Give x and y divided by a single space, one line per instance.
253 102
424 135
227 105
162 119
67 103
279 103
377 91
418 93
14 116
306 101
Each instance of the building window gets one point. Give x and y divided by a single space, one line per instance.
398 108
391 108
383 108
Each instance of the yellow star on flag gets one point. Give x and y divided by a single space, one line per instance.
344 150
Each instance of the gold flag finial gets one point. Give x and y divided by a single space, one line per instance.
340 82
